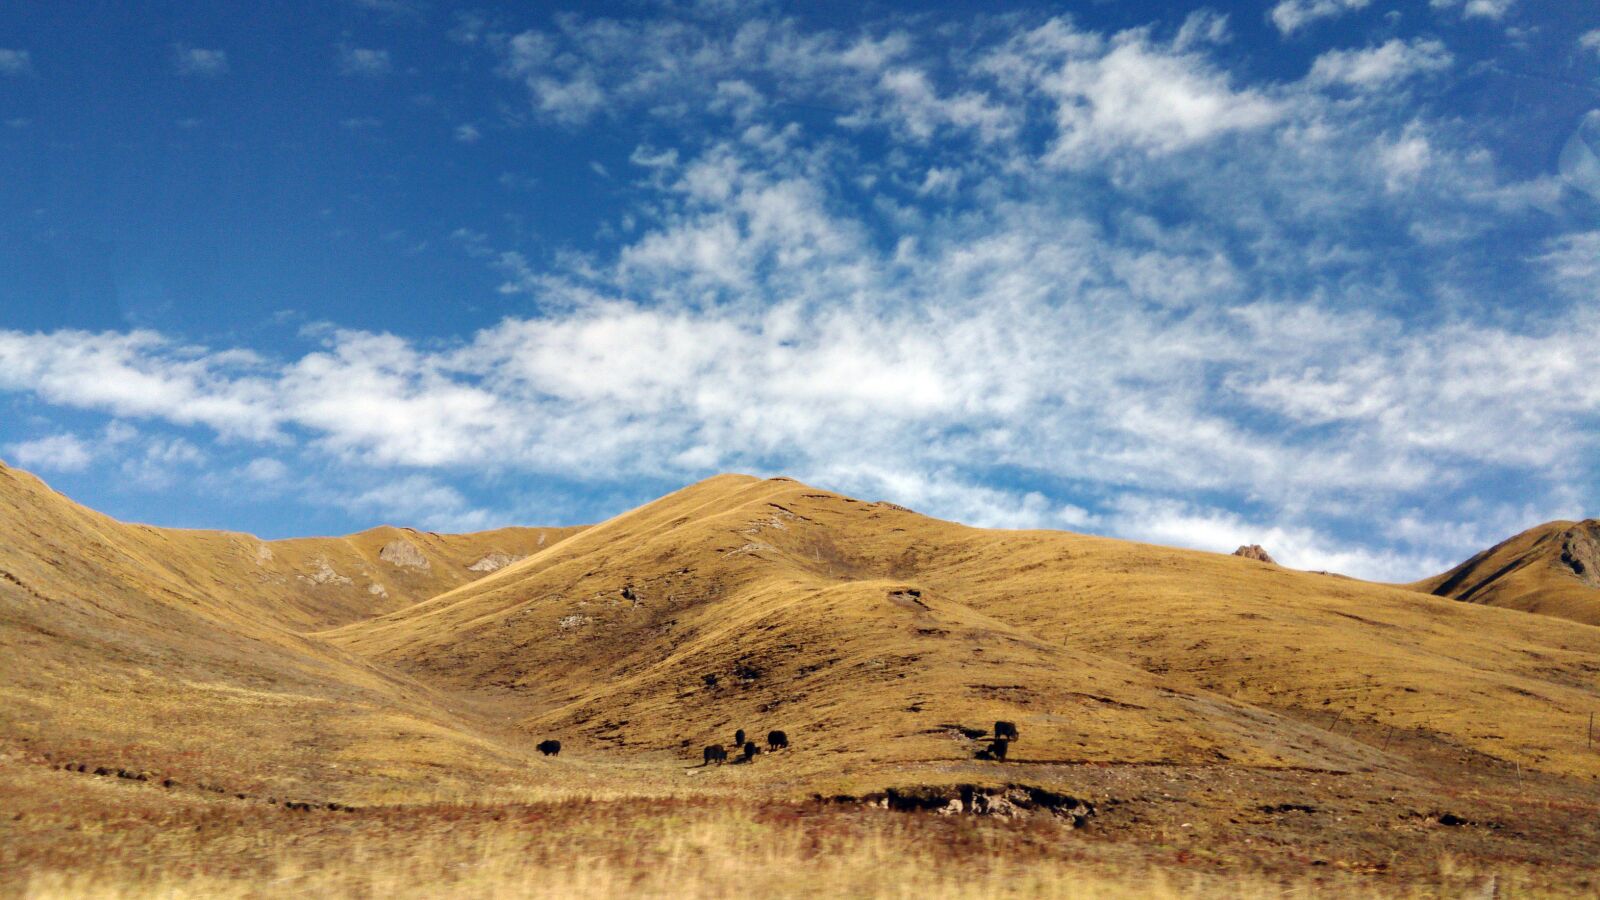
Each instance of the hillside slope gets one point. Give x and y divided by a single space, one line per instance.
183 651
1553 569
869 631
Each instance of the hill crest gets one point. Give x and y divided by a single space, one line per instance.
1551 569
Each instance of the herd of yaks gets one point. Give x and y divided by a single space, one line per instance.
747 750
1004 734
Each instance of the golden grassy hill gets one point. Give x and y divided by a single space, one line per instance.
184 650
1234 722
1552 569
866 631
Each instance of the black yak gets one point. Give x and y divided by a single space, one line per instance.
997 748
750 750
777 740
1007 730
738 738
549 748
715 754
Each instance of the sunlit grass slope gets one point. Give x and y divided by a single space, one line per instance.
867 630
181 651
1553 569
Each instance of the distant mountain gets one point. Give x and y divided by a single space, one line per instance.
1553 569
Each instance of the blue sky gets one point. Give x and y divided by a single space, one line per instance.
1318 274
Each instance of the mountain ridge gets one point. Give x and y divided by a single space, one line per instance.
1550 569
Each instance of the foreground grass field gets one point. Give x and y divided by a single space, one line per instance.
698 849
1153 832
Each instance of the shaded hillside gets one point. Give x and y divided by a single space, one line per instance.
1553 569
183 648
871 631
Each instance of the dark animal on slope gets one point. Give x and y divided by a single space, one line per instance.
549 748
1007 730
998 747
715 754
750 750
738 737
777 740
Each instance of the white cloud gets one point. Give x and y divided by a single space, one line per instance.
1178 524
1572 263
142 375
1379 66
266 469
15 62
1405 158
1292 15
670 70
201 62
468 133
421 502
1482 9
1142 97
55 453
365 62
161 463
1203 26
1590 41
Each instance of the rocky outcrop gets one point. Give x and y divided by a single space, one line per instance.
325 574
496 561
1580 551
1255 552
404 554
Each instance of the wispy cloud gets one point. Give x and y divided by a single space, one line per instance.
419 501
53 453
1377 67
15 62
364 62
1292 15
198 61
1482 9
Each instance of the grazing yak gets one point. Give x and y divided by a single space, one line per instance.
715 754
996 750
738 738
549 748
777 740
750 750
1006 730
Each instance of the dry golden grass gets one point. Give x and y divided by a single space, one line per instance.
608 849
1101 650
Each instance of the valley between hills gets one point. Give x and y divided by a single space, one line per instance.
206 713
